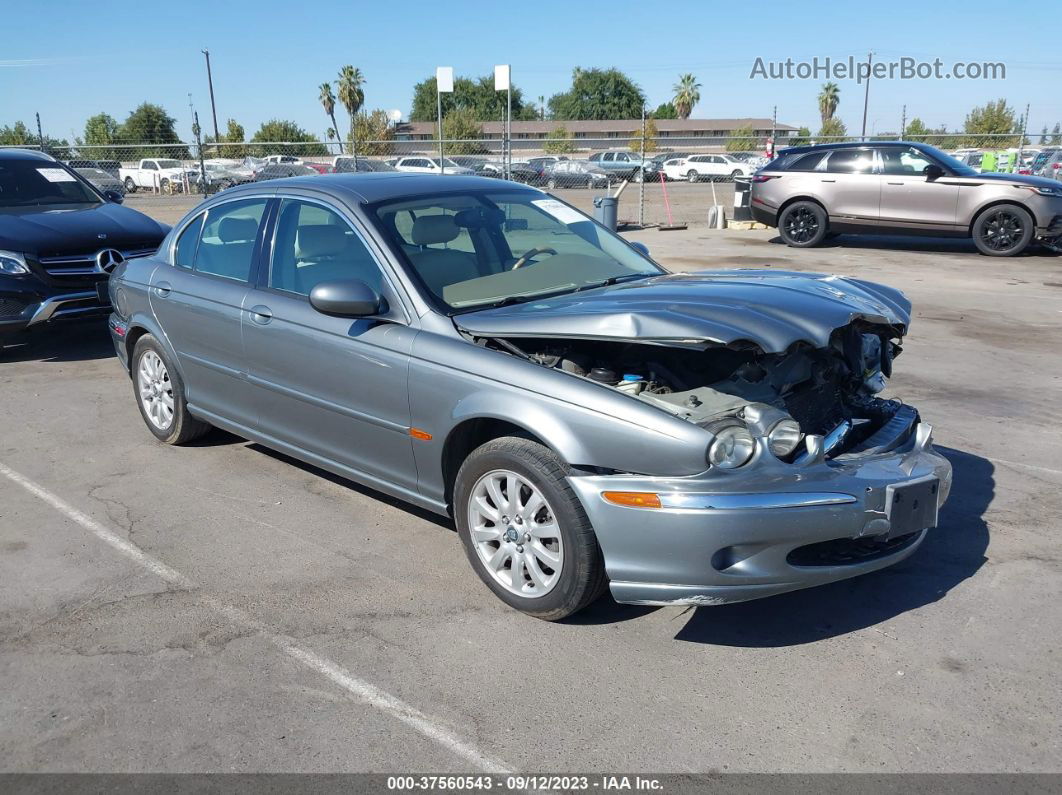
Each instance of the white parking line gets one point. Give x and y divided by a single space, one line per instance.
357 688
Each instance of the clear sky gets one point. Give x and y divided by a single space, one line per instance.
69 60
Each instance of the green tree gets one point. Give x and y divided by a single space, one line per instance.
1056 134
234 138
916 130
829 99
560 141
1043 136
598 94
802 137
665 110
351 94
993 118
651 134
741 140
374 133
281 131
101 130
328 102
473 94
462 133
17 134
687 95
150 131
833 130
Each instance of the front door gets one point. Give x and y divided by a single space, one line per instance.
331 386
908 198
198 302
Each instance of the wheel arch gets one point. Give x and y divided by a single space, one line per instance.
469 434
803 198
998 203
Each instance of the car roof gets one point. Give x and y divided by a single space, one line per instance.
25 154
792 150
369 187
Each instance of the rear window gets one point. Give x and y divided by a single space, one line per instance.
1042 158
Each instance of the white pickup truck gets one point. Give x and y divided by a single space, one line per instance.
154 173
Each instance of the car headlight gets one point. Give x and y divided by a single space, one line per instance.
732 447
1045 190
784 437
12 263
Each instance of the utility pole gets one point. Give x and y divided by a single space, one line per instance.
903 123
444 84
213 110
641 182
40 135
774 131
866 95
1021 142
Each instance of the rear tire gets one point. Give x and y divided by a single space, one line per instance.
543 518
1005 230
130 186
803 224
159 393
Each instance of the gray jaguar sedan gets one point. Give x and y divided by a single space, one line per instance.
590 421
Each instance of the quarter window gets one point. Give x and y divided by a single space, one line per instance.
314 244
187 243
227 245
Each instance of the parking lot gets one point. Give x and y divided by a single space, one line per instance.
221 607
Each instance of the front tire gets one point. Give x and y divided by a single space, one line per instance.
130 186
525 531
693 176
1005 230
159 393
803 224
551 183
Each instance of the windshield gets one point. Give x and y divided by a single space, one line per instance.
169 163
447 162
1041 158
39 182
475 250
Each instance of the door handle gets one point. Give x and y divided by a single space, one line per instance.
893 183
261 314
162 289
829 180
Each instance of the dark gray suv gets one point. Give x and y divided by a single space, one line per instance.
880 187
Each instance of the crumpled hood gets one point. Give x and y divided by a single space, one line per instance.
53 232
772 309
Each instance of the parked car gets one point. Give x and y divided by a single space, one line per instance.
753 159
702 439
164 174
102 180
624 165
291 160
576 174
59 238
220 175
279 170
715 167
320 168
1047 163
112 167
905 188
418 164
518 171
345 165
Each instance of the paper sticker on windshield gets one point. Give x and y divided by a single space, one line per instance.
56 175
559 210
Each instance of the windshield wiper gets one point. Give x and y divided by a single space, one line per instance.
611 280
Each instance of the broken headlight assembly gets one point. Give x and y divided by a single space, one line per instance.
732 446
784 437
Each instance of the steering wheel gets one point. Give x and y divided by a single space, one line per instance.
534 252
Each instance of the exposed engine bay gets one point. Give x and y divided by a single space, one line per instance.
827 391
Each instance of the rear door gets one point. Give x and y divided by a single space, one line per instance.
908 198
198 302
850 187
331 386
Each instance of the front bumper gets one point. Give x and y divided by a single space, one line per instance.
23 309
779 527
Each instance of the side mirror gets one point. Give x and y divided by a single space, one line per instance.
113 196
640 246
933 172
346 298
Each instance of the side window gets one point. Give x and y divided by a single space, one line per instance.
149 165
313 244
227 245
595 157
608 157
896 161
187 243
850 161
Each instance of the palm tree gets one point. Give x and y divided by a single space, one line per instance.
351 95
829 98
687 94
328 102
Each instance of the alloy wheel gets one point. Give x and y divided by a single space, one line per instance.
156 391
1003 231
515 533
801 225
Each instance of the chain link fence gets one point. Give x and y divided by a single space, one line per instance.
659 180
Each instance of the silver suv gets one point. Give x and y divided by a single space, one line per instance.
809 192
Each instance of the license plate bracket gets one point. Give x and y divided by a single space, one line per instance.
912 506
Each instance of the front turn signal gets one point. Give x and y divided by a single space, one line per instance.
632 499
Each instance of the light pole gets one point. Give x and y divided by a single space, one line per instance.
866 95
502 82
213 110
444 84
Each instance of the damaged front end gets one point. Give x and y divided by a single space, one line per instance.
807 403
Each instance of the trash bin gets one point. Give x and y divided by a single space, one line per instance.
605 211
742 198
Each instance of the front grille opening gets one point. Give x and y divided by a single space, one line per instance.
10 308
849 551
